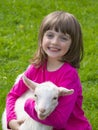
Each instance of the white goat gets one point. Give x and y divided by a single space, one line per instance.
46 99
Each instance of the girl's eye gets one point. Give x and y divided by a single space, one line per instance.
63 38
49 35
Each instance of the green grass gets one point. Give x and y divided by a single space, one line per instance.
19 26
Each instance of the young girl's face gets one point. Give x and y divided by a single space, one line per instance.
56 44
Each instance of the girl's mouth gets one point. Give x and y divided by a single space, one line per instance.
54 49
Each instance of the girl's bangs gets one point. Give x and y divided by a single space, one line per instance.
59 26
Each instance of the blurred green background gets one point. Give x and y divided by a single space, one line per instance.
19 26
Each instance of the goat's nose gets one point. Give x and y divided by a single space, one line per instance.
42 110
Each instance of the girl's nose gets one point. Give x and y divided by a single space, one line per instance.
54 40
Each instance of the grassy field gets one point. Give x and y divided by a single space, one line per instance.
19 26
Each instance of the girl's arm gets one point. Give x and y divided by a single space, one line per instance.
60 116
17 90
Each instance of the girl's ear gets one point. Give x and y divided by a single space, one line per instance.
65 91
29 83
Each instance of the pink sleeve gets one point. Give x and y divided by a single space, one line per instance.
17 90
59 117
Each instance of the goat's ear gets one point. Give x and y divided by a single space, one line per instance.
29 83
65 91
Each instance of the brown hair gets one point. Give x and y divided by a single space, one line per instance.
66 23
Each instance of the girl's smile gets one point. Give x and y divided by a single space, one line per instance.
54 48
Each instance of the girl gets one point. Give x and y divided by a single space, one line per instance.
57 59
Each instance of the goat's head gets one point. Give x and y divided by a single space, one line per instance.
46 96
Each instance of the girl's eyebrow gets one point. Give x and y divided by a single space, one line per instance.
49 31
66 35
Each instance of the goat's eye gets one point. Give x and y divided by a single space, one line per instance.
35 95
54 98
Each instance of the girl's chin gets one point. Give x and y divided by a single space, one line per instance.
53 55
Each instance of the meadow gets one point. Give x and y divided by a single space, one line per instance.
19 25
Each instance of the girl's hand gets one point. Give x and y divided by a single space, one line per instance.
15 124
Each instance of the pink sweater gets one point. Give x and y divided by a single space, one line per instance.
68 115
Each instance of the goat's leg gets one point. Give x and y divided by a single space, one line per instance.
4 122
27 125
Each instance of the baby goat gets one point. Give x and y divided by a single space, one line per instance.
46 99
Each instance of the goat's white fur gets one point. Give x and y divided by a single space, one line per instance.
46 99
